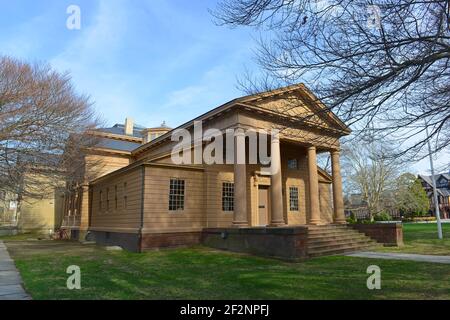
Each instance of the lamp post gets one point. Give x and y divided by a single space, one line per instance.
433 181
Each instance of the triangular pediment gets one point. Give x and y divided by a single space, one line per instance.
298 103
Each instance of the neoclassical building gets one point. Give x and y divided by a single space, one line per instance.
141 199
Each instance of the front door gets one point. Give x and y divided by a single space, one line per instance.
263 206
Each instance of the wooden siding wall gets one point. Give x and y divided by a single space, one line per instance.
123 218
157 217
215 176
76 203
326 203
295 178
98 165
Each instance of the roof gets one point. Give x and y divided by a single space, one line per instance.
248 98
444 192
428 180
113 144
120 129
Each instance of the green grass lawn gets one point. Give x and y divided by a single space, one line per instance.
202 273
421 238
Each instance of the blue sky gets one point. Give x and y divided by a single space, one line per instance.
152 60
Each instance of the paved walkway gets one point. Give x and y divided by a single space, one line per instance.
10 280
402 256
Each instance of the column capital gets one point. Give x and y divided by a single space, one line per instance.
335 151
311 148
239 132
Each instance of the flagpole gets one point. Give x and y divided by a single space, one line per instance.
433 181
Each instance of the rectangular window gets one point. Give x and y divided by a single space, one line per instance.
227 196
125 196
107 199
292 164
100 203
176 195
115 197
293 198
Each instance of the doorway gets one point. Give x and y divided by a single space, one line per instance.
263 205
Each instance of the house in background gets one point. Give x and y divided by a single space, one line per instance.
8 206
443 190
138 198
41 215
356 206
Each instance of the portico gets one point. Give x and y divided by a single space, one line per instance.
276 217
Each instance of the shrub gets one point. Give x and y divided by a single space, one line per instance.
366 221
382 216
352 219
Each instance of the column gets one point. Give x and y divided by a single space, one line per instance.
338 201
276 194
313 186
240 180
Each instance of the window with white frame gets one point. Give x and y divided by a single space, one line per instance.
293 198
227 196
176 195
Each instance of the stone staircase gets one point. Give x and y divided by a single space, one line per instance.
336 239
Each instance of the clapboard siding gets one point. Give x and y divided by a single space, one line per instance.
157 216
128 211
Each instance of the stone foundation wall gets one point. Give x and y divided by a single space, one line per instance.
284 243
128 241
389 234
161 240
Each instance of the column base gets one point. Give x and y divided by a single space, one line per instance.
315 222
277 224
239 224
340 221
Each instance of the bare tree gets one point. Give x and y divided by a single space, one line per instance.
380 65
369 170
42 129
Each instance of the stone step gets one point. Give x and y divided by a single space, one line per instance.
328 226
312 248
317 228
333 233
341 250
336 237
312 244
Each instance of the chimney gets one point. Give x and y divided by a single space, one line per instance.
129 126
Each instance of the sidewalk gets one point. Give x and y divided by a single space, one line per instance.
10 280
402 256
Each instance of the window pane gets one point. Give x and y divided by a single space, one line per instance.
292 164
176 195
227 196
293 198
